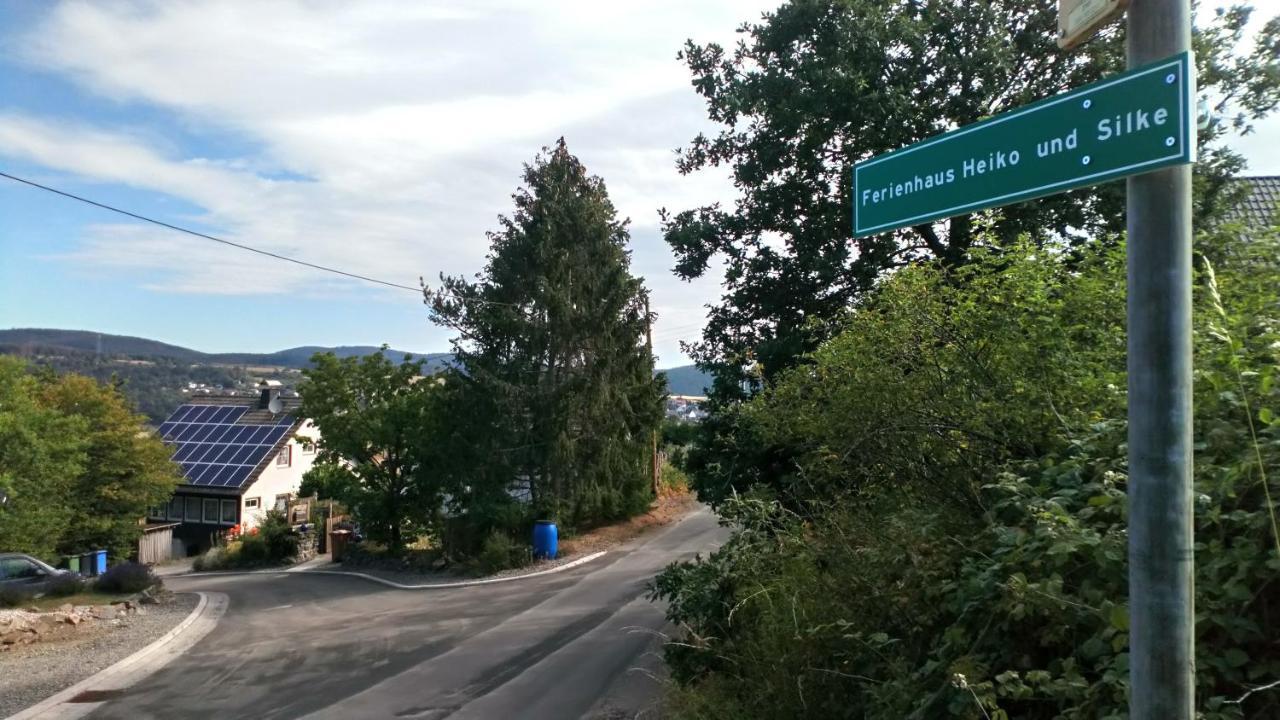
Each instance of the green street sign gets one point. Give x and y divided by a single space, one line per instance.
1132 123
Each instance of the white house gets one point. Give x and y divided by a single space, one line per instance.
240 457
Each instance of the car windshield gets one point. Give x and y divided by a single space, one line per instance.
17 568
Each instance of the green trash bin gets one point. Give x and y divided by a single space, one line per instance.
73 564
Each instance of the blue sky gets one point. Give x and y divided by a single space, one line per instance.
382 138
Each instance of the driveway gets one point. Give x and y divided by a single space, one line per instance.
318 646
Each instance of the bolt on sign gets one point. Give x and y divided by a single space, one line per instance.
1132 123
1079 20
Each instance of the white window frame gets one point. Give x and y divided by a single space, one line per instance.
181 502
308 448
217 509
285 458
253 503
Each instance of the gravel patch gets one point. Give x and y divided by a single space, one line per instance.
31 673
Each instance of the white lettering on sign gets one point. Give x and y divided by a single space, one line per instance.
915 184
1131 122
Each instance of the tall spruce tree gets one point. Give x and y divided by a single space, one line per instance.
558 386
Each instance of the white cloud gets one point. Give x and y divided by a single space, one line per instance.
407 122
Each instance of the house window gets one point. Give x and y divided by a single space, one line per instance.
252 503
175 508
282 460
308 448
157 512
210 511
228 512
282 503
193 509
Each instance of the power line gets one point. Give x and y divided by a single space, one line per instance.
268 253
204 236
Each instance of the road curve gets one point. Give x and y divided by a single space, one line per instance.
319 646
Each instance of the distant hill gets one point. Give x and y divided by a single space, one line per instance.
687 380
38 341
684 380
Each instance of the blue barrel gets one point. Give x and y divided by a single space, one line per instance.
99 561
545 539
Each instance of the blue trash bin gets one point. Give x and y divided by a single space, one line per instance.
545 537
99 561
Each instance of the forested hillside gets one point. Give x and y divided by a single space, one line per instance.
153 374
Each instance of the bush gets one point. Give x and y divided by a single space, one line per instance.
214 559
11 597
273 542
674 480
500 552
948 539
465 534
130 577
66 585
280 542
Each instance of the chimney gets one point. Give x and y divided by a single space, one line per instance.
268 391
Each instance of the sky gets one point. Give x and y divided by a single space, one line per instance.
383 138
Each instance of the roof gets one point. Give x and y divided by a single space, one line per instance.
225 442
1260 206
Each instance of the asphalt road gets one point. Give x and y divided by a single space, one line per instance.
571 645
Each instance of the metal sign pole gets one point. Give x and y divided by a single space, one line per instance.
1161 560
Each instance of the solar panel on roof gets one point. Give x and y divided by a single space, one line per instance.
213 449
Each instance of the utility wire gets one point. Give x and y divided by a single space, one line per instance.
277 256
204 236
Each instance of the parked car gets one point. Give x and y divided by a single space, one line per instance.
26 574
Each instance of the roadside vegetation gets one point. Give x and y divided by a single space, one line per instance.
948 536
123 580
76 464
272 542
546 414
919 437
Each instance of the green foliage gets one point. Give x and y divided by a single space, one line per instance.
949 537
674 480
278 536
78 468
127 470
129 577
500 552
479 515
271 542
558 396
42 451
817 85
384 447
329 481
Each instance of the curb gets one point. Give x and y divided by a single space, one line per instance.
134 668
401 586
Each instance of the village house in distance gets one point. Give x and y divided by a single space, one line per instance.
240 457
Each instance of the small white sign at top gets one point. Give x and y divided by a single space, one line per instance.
1079 20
